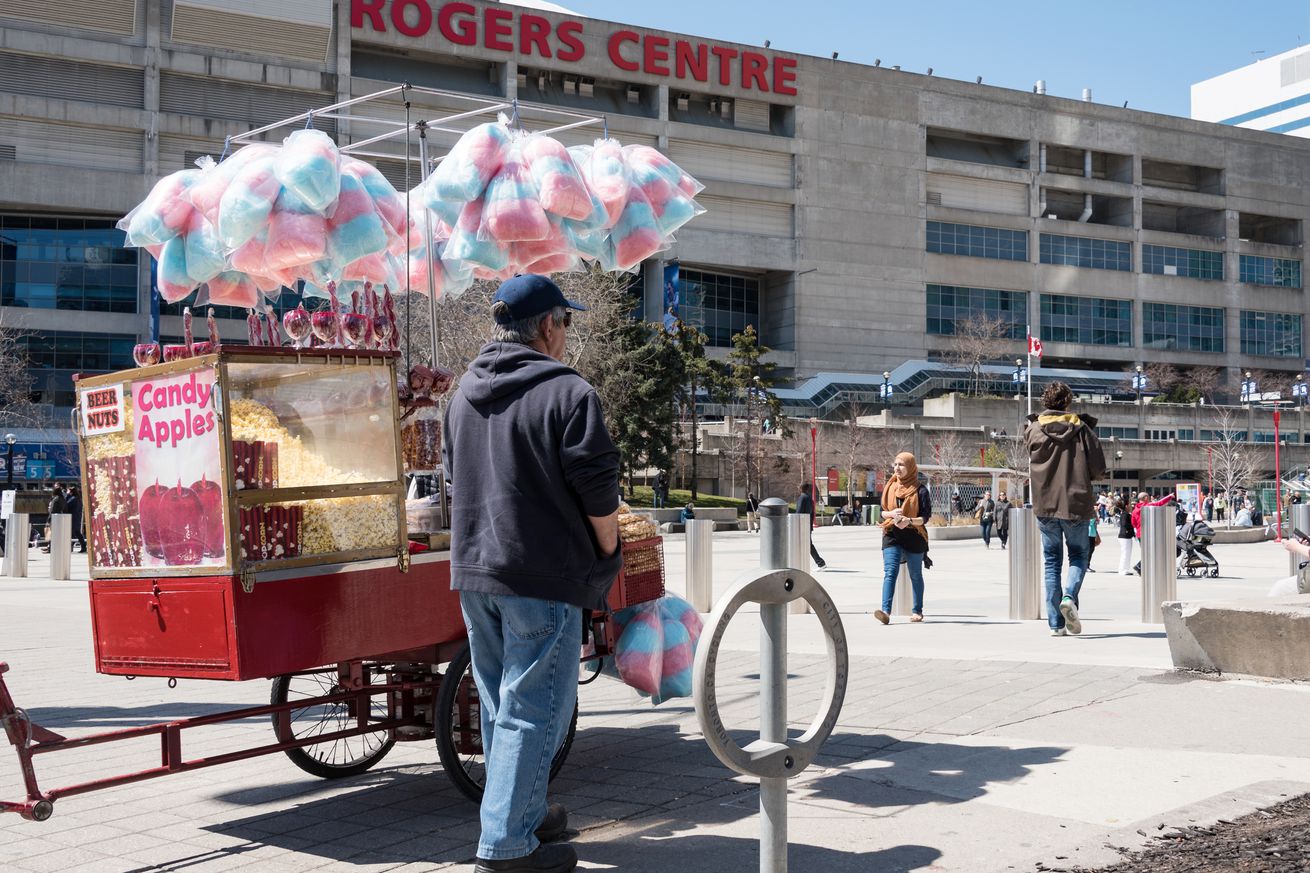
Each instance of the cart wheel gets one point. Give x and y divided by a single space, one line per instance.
339 758
459 730
1191 571
1214 572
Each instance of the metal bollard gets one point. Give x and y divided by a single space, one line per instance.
61 546
903 596
1300 521
17 533
1025 565
1159 576
700 564
798 551
774 523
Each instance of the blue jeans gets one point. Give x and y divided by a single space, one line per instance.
891 568
525 664
987 532
1056 533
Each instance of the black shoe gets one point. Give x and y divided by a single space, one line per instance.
553 858
554 825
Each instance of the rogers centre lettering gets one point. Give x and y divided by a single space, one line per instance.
507 29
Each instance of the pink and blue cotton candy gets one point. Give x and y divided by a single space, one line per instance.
308 166
165 213
471 165
656 648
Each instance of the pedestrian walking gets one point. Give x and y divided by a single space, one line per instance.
1220 507
73 502
1003 519
661 489
985 513
805 506
752 513
58 506
1126 536
1093 540
1066 458
906 508
1207 508
534 542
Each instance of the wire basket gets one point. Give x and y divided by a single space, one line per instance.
642 576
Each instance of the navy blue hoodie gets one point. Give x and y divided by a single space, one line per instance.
529 458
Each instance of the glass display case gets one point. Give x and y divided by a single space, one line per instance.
242 460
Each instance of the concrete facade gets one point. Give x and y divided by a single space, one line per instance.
823 198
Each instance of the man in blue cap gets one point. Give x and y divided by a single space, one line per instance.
534 541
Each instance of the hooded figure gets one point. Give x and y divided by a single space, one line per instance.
1066 459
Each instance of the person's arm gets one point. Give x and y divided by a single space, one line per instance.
606 529
1296 547
591 469
1095 455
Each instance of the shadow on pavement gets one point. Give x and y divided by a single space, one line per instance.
654 780
58 718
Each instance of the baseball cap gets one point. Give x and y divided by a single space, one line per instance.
530 295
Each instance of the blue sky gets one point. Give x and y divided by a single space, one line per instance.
1147 52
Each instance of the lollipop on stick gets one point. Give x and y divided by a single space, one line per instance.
252 327
188 337
212 324
274 336
389 303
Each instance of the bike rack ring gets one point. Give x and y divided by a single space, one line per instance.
759 758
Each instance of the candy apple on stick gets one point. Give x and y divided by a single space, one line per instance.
148 508
181 526
211 515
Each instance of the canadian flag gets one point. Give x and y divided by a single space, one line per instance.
1034 346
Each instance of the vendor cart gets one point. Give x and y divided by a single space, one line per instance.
247 521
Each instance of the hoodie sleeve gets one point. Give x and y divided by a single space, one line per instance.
1095 455
589 458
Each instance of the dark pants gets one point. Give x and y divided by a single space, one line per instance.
816 557
1003 534
987 532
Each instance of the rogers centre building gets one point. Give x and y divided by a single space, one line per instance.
856 213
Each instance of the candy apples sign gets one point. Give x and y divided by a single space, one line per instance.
178 450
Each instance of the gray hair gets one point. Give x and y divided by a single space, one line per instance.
524 330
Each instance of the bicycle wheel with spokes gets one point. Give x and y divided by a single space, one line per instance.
459 730
334 759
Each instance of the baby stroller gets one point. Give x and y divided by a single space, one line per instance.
1194 558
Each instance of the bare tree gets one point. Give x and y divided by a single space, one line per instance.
1205 381
17 408
978 339
1014 456
1274 382
1234 460
855 436
1161 377
952 455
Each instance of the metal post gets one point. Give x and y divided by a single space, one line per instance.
773 688
1159 578
1301 522
17 533
903 597
700 564
1025 566
61 546
798 552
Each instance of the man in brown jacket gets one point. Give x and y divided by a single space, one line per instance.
1066 459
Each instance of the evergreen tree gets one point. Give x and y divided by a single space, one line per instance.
639 385
749 378
699 375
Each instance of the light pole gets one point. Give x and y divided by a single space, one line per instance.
1018 377
885 391
814 454
1299 390
1118 456
1249 389
9 461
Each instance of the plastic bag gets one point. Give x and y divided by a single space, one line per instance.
465 245
656 648
172 279
308 165
607 177
204 252
355 228
297 234
207 192
164 214
471 165
247 202
559 184
512 209
388 202
233 289
637 235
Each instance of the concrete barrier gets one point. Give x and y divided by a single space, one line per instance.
1228 535
670 514
677 527
1267 637
961 532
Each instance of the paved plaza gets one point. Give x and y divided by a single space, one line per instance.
967 743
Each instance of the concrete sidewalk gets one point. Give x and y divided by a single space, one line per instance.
967 743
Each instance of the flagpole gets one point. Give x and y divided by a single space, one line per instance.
1029 370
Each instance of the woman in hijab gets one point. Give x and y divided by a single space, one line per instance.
906 508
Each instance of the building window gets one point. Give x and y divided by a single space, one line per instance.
1192 263
55 355
1271 333
1119 433
719 304
978 242
1079 251
1184 328
949 304
1278 272
1094 321
66 263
